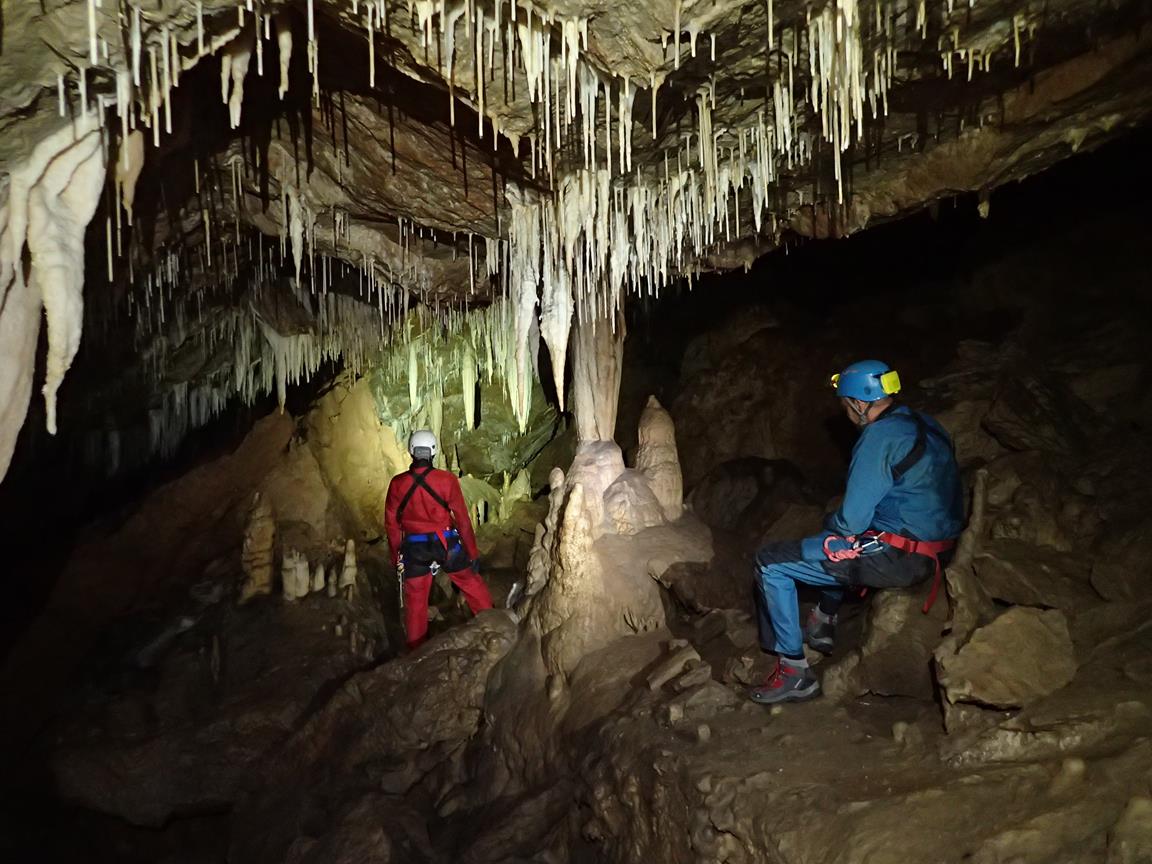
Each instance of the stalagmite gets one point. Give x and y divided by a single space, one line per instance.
294 575
657 460
258 554
348 572
318 580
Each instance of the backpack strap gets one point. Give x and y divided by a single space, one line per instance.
919 448
419 481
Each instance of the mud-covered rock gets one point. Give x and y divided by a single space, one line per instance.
747 495
1027 575
392 728
1123 567
1020 657
376 829
1033 410
1130 840
899 641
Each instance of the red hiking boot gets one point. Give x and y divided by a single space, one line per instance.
787 683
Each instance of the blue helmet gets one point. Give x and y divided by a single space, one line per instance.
867 380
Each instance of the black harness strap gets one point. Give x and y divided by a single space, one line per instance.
419 481
919 448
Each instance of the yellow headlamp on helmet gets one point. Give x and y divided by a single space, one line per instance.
867 380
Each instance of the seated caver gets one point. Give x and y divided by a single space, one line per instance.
903 508
429 530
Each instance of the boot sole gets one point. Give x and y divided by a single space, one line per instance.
790 696
824 648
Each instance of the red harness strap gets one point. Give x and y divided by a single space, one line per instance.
927 548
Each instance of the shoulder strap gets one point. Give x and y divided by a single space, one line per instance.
418 480
919 447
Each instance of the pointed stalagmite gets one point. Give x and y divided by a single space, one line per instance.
348 571
294 575
257 557
657 459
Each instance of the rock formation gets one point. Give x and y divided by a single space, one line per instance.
294 577
1023 655
348 569
656 458
259 550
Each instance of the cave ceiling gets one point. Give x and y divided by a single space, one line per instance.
349 160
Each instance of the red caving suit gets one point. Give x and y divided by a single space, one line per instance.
427 522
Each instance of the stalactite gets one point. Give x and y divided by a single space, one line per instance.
51 200
283 25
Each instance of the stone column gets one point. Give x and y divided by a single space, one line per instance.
597 358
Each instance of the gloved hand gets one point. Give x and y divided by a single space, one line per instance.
476 566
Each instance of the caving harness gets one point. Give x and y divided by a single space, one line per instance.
870 540
418 480
445 537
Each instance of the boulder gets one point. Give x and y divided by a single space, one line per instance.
1098 388
1033 410
747 494
1123 569
375 829
1027 575
899 640
963 421
1023 655
1033 502
1130 840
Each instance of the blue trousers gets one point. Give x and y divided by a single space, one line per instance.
780 567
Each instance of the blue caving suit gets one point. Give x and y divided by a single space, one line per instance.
903 479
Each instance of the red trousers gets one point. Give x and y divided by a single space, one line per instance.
416 592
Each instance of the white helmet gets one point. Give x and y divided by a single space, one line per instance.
422 444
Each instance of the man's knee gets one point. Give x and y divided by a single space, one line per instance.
786 552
